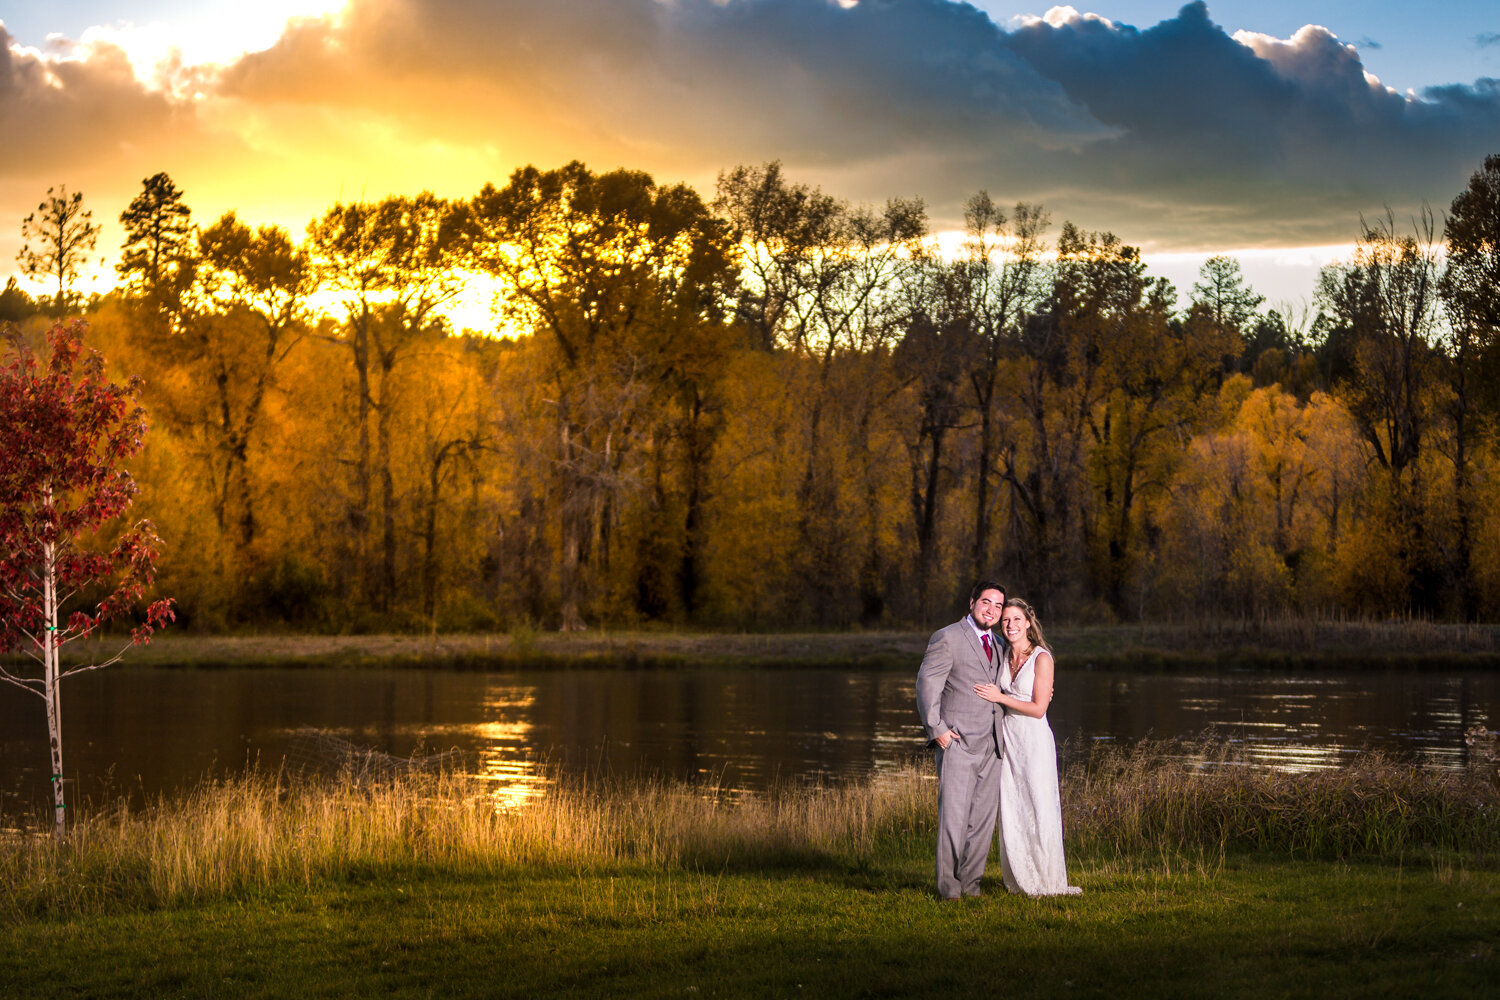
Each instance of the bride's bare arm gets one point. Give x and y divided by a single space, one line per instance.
1041 687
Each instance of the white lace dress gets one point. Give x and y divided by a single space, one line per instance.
1031 834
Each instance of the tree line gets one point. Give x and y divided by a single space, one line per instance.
778 409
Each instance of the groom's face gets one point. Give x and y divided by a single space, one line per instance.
986 607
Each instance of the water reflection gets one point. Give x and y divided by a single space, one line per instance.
140 732
505 758
1295 758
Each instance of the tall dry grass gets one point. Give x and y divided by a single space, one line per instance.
261 831
1172 796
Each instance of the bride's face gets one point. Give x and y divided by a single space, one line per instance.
1013 625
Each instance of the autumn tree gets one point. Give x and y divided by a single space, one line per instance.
1216 550
256 285
59 236
961 335
65 429
1470 289
1279 433
1259 507
452 435
395 264
1473 256
679 444
1161 371
216 311
787 408
1001 280
825 282
623 279
1386 302
1096 289
783 228
936 348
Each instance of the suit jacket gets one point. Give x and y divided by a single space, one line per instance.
953 664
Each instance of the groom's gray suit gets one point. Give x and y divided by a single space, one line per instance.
969 769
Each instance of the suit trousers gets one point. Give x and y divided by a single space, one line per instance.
968 801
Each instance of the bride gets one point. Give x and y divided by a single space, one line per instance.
1031 836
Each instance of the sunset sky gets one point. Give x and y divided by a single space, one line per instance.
1263 129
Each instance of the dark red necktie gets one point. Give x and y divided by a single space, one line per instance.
984 637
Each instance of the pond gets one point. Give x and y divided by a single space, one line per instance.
140 732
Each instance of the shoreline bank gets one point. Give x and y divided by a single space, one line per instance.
1271 646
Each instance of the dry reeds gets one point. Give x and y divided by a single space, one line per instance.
258 832
1181 797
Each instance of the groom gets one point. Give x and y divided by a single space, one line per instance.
965 730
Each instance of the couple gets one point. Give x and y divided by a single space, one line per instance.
983 701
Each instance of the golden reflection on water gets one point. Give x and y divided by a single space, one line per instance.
513 775
501 753
504 739
506 762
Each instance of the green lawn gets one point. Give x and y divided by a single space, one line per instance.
1252 926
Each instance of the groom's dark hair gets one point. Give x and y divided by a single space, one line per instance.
984 585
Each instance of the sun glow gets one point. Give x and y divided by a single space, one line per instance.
172 57
475 309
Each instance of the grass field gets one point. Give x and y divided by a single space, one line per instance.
1378 879
1254 926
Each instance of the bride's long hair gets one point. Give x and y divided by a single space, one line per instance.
1033 623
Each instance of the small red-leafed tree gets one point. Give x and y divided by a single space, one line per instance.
66 565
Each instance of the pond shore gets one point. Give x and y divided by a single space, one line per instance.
1238 645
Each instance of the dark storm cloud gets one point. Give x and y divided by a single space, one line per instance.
1179 133
1256 134
807 80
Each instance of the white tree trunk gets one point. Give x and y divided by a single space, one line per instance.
51 689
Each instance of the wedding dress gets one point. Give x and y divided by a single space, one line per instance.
1031 835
